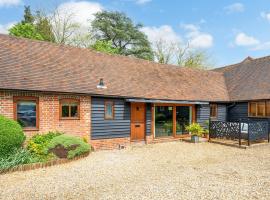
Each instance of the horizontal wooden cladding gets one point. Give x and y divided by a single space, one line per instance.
117 127
202 114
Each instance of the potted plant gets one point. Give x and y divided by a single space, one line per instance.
196 131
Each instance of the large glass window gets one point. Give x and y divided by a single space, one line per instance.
183 119
163 121
26 111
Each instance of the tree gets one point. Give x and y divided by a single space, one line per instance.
28 17
63 26
44 26
182 55
25 30
123 33
163 51
195 59
36 26
105 46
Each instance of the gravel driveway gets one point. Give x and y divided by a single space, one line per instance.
175 170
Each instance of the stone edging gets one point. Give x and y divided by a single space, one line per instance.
32 166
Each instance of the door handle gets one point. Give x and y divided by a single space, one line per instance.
137 125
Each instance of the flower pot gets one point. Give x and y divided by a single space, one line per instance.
194 138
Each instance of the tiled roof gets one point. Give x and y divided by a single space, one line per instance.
248 80
41 66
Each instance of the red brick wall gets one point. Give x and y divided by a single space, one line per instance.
110 143
49 112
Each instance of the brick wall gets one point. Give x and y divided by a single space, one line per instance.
110 143
49 112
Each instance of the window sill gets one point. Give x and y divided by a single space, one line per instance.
259 116
69 118
30 129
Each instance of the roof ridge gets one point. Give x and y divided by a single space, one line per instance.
250 59
104 53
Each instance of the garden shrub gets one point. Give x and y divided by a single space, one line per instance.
18 157
37 145
11 136
67 146
195 129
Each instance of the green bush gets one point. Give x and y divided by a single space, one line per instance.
67 146
37 145
18 157
195 129
11 136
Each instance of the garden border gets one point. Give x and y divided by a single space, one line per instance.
32 166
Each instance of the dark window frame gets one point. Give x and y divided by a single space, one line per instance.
16 99
69 101
216 110
106 117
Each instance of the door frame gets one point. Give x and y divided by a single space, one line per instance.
193 117
131 121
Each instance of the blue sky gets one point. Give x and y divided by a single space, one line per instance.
228 30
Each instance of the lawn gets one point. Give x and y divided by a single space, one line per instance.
174 170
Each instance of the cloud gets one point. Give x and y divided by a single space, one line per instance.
234 8
7 3
4 27
164 32
262 46
82 11
265 16
141 2
196 38
242 39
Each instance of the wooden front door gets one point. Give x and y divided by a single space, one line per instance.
137 121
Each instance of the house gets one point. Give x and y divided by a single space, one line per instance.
115 100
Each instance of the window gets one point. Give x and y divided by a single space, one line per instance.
26 112
252 109
213 110
259 109
109 110
267 108
69 109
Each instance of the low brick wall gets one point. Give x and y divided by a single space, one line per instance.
115 143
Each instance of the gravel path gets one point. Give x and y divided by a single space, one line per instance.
175 170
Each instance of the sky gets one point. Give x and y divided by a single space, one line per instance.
228 31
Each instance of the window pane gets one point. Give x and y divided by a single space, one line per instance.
109 110
268 108
163 121
183 118
74 110
65 110
252 109
26 113
260 108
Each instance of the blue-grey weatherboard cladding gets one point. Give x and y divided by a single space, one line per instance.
120 126
203 113
116 128
239 111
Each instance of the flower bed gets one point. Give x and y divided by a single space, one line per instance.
40 151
